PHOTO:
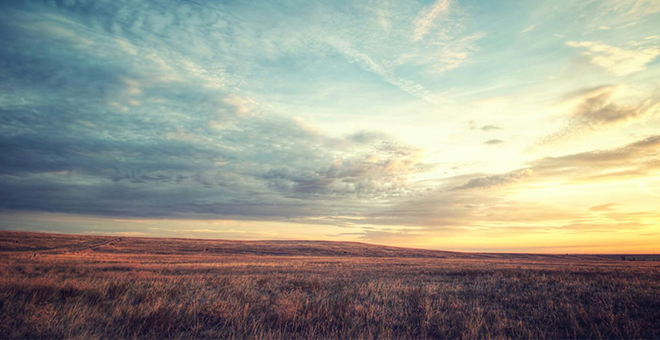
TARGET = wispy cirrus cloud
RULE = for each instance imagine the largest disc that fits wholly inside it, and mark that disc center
(449, 49)
(528, 29)
(367, 63)
(439, 40)
(426, 19)
(628, 10)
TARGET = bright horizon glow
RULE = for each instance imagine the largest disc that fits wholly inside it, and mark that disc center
(449, 125)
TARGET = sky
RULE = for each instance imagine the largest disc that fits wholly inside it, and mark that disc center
(499, 126)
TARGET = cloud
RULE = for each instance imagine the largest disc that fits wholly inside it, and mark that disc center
(488, 181)
(615, 60)
(637, 159)
(609, 13)
(387, 75)
(457, 52)
(596, 108)
(603, 207)
(184, 110)
(466, 202)
(393, 56)
(426, 19)
(494, 142)
(528, 29)
(380, 172)
(444, 52)
(627, 10)
(261, 168)
(477, 203)
(489, 128)
(439, 41)
(152, 116)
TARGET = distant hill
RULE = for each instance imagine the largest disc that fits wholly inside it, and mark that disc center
(46, 243)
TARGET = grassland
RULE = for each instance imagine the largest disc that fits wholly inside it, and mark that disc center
(64, 286)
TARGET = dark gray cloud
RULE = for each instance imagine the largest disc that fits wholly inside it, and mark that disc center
(260, 166)
(100, 116)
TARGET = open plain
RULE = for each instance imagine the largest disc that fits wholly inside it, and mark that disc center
(88, 287)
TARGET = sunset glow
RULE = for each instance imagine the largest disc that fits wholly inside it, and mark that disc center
(487, 126)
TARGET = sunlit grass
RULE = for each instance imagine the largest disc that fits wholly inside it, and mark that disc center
(114, 292)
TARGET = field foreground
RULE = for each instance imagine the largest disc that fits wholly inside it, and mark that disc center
(65, 286)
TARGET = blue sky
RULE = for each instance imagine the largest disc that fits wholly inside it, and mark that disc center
(464, 125)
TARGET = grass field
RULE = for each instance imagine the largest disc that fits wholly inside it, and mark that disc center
(87, 287)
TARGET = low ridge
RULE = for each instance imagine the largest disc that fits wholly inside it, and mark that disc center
(47, 243)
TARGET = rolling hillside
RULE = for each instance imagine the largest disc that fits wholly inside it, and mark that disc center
(111, 287)
(45, 243)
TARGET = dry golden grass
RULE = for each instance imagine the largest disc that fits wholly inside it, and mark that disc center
(63, 286)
